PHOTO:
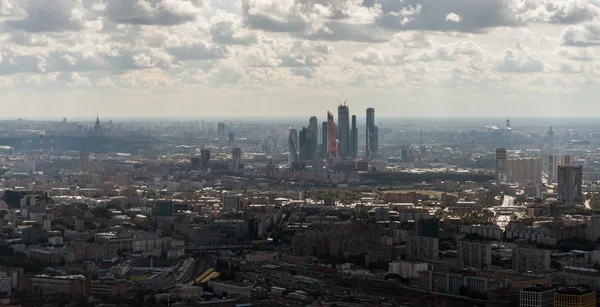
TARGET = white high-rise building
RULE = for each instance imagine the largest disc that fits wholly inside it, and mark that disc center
(554, 161)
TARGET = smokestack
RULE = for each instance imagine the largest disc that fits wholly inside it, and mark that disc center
(51, 146)
(40, 146)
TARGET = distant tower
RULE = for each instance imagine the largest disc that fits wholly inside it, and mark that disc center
(508, 124)
(231, 138)
(237, 159)
(551, 138)
(221, 132)
(323, 153)
(51, 146)
(501, 166)
(204, 158)
(313, 124)
(332, 142)
(293, 146)
(354, 139)
(306, 144)
(97, 126)
(343, 130)
(372, 135)
(40, 156)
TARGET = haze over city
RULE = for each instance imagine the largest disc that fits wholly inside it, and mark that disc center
(175, 58)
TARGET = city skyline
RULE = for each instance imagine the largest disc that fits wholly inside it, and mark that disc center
(159, 58)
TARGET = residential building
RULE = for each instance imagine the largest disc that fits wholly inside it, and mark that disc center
(528, 170)
(476, 255)
(554, 161)
(537, 296)
(571, 296)
(570, 182)
(407, 269)
(421, 248)
(530, 259)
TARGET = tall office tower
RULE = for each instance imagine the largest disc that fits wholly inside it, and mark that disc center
(314, 126)
(554, 161)
(570, 181)
(231, 138)
(501, 168)
(332, 142)
(354, 139)
(551, 142)
(527, 170)
(204, 158)
(306, 144)
(324, 133)
(343, 131)
(372, 135)
(221, 132)
(293, 146)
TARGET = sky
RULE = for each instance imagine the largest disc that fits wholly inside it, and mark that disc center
(268, 58)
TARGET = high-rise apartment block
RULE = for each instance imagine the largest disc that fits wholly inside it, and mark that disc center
(530, 259)
(476, 255)
(421, 248)
(570, 182)
(554, 161)
(528, 170)
(501, 168)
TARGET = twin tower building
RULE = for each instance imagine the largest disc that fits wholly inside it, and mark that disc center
(338, 141)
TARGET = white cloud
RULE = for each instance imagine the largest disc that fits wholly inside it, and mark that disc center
(453, 17)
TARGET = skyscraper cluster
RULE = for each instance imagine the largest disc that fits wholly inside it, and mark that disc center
(336, 141)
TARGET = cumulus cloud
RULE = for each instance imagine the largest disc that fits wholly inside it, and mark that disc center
(584, 35)
(50, 16)
(227, 28)
(151, 12)
(556, 11)
(520, 62)
(432, 15)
